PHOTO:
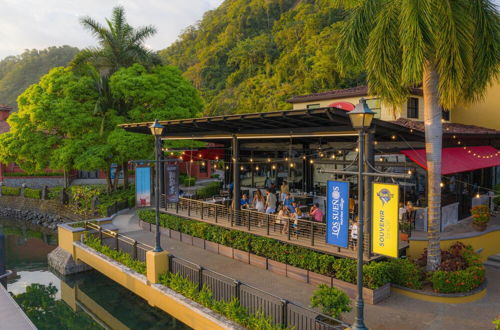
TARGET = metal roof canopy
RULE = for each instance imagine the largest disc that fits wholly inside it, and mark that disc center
(301, 124)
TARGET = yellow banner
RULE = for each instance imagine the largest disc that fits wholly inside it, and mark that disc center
(385, 224)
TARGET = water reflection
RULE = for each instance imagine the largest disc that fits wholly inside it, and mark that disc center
(84, 301)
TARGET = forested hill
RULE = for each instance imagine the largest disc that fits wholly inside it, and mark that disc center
(252, 55)
(19, 72)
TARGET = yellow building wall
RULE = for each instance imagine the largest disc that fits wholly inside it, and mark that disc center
(387, 112)
(485, 113)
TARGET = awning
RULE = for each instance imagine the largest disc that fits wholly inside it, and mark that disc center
(462, 159)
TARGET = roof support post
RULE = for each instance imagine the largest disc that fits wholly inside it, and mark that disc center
(369, 158)
(236, 176)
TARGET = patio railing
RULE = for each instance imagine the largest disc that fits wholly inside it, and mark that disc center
(308, 232)
(280, 310)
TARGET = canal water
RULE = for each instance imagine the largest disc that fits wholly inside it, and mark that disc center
(83, 301)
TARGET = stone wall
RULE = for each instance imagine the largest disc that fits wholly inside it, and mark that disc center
(33, 182)
(47, 213)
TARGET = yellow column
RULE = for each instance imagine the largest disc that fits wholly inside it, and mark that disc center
(156, 264)
(67, 235)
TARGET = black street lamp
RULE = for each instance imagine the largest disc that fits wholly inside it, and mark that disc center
(157, 130)
(361, 119)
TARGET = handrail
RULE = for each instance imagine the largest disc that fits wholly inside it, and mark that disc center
(7, 274)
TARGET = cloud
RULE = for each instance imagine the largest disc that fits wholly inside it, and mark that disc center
(27, 24)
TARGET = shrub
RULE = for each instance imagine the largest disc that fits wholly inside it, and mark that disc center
(210, 190)
(189, 181)
(119, 256)
(230, 309)
(11, 191)
(32, 193)
(480, 214)
(375, 275)
(345, 269)
(55, 192)
(332, 301)
(215, 176)
(404, 272)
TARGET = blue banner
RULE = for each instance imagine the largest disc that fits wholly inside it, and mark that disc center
(143, 186)
(337, 213)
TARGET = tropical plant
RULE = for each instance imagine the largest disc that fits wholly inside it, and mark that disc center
(121, 45)
(451, 48)
(480, 214)
(333, 302)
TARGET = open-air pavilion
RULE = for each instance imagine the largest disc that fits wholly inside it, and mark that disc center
(304, 147)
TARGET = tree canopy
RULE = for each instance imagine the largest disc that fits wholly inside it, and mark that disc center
(57, 125)
(250, 56)
(18, 72)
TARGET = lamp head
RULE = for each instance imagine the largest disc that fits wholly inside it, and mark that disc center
(156, 128)
(361, 117)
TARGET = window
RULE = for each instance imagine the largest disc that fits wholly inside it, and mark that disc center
(313, 106)
(374, 105)
(412, 108)
(446, 115)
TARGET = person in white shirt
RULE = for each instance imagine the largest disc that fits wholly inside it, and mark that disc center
(354, 233)
(270, 202)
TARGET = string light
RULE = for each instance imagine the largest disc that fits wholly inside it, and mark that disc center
(269, 160)
(304, 157)
(311, 161)
(216, 157)
(200, 155)
(381, 159)
(171, 154)
(393, 137)
(191, 160)
(292, 164)
(322, 155)
(273, 167)
(340, 152)
(333, 156)
(242, 168)
(357, 150)
(441, 184)
(477, 195)
(409, 172)
(286, 158)
(180, 157)
(202, 163)
(251, 160)
(227, 167)
(256, 168)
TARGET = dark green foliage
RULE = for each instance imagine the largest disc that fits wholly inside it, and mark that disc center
(343, 269)
(333, 302)
(33, 174)
(18, 72)
(230, 309)
(119, 256)
(210, 190)
(32, 193)
(11, 191)
(189, 181)
(40, 305)
(252, 55)
(406, 273)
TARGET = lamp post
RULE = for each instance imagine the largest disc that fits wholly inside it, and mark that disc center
(157, 130)
(361, 119)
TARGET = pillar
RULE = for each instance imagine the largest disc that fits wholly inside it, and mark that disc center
(236, 173)
(156, 264)
(367, 214)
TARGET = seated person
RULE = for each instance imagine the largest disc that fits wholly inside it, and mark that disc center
(297, 212)
(316, 213)
(288, 200)
(244, 202)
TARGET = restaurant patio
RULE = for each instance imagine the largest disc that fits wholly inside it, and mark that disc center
(303, 147)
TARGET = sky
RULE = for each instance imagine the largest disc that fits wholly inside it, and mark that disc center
(28, 24)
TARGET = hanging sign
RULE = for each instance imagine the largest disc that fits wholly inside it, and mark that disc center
(143, 186)
(171, 178)
(337, 213)
(385, 225)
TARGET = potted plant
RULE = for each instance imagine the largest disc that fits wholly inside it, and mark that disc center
(480, 217)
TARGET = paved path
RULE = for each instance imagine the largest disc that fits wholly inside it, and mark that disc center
(12, 316)
(396, 312)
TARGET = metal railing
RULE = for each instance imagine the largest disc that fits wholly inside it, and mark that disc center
(280, 310)
(309, 232)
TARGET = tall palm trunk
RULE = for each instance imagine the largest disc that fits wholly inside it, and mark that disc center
(433, 147)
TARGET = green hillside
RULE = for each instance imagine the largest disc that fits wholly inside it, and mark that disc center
(252, 55)
(19, 72)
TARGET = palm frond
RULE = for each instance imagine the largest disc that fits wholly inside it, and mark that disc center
(93, 26)
(486, 49)
(383, 56)
(453, 41)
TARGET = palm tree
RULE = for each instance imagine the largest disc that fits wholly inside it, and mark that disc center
(449, 47)
(120, 45)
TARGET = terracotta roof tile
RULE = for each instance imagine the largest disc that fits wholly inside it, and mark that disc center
(340, 93)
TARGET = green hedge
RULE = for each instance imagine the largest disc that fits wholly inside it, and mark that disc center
(11, 191)
(189, 181)
(119, 256)
(210, 190)
(42, 174)
(33, 193)
(230, 309)
(376, 273)
(461, 280)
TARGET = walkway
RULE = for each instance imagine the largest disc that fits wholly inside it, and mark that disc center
(396, 312)
(12, 316)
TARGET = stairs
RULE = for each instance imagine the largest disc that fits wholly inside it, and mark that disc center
(493, 261)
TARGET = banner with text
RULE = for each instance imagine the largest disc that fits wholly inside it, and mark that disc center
(385, 224)
(171, 178)
(143, 186)
(337, 213)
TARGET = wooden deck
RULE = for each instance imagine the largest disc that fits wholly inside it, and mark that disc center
(306, 233)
